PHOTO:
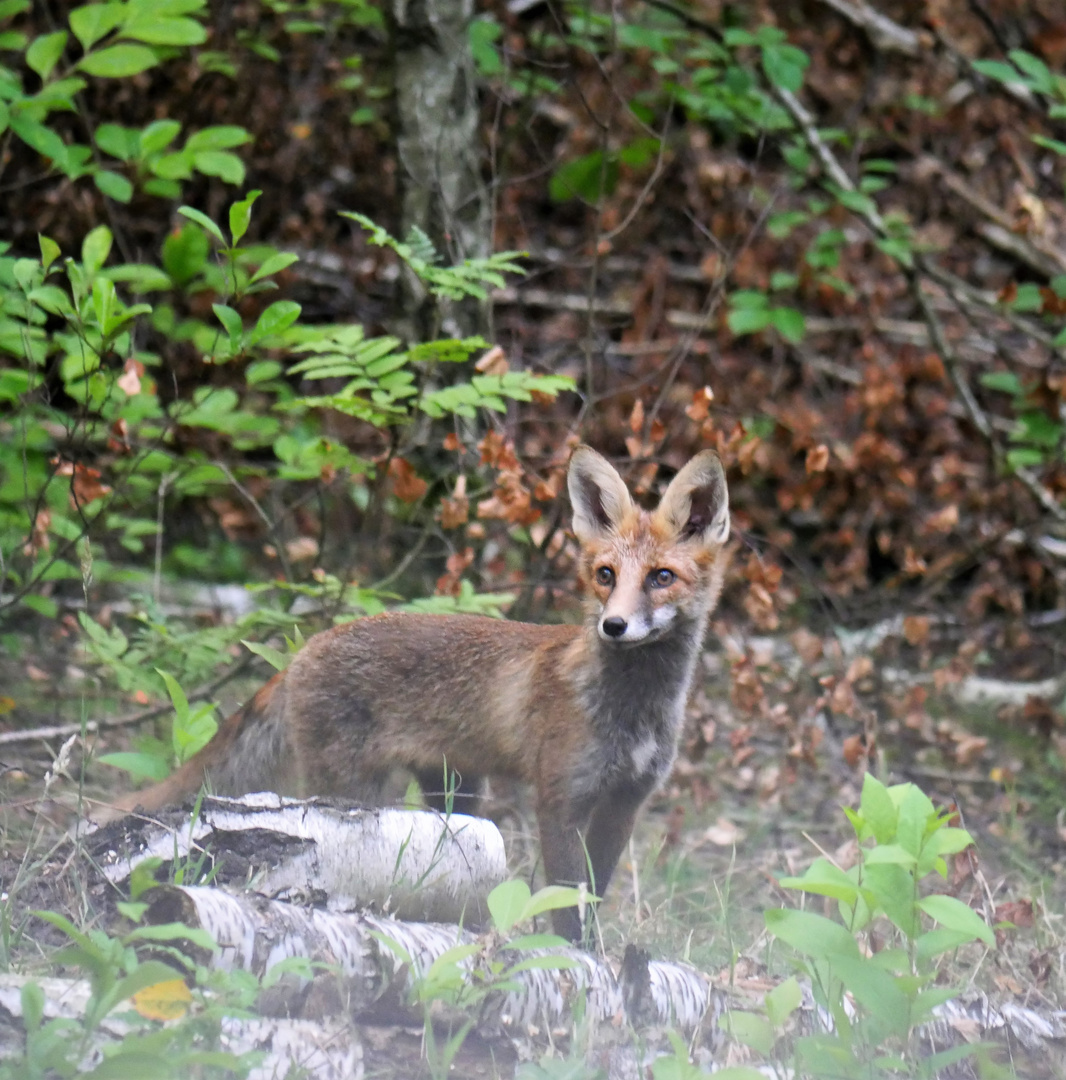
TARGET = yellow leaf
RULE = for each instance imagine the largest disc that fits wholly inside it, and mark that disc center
(7, 704)
(166, 1000)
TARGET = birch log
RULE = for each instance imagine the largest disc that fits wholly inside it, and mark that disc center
(379, 959)
(316, 1050)
(417, 864)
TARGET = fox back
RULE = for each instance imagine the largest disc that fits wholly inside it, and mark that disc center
(589, 715)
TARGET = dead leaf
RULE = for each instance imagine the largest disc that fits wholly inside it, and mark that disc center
(130, 379)
(407, 485)
(700, 405)
(167, 1000)
(854, 750)
(723, 833)
(817, 458)
(916, 629)
(454, 509)
(494, 362)
(302, 548)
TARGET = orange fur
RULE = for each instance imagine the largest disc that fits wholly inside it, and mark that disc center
(589, 715)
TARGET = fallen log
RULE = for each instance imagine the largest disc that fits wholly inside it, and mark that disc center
(411, 863)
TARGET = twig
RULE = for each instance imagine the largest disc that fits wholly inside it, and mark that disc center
(61, 731)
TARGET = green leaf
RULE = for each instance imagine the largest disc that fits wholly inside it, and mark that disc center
(161, 31)
(748, 320)
(789, 323)
(174, 690)
(810, 934)
(45, 52)
(92, 21)
(44, 606)
(752, 1030)
(140, 766)
(203, 221)
(275, 657)
(1005, 381)
(955, 915)
(275, 319)
(95, 248)
(783, 1001)
(878, 809)
(118, 61)
(274, 263)
(113, 185)
(824, 879)
(784, 66)
(50, 250)
(230, 320)
(507, 902)
(240, 214)
(220, 163)
(158, 135)
(219, 137)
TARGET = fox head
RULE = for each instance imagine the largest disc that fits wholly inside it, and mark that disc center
(645, 573)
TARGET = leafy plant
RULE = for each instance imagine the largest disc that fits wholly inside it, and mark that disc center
(172, 1030)
(876, 999)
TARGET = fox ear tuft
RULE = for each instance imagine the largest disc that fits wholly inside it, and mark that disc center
(600, 499)
(696, 504)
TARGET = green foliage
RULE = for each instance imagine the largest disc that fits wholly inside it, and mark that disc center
(187, 1044)
(875, 1001)
(114, 40)
(1038, 438)
(465, 975)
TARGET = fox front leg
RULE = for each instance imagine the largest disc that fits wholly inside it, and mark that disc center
(609, 829)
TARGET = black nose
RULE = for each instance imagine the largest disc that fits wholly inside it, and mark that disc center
(615, 626)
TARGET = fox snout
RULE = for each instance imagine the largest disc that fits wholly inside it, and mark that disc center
(631, 614)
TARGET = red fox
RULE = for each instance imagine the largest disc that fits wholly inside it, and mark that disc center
(589, 715)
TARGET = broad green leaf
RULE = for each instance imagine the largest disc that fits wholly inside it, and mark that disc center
(955, 915)
(220, 137)
(230, 319)
(810, 934)
(174, 690)
(162, 31)
(275, 657)
(42, 138)
(878, 809)
(752, 1030)
(274, 263)
(240, 214)
(139, 766)
(824, 879)
(507, 902)
(220, 163)
(118, 141)
(45, 52)
(748, 320)
(118, 61)
(876, 990)
(158, 135)
(789, 323)
(50, 250)
(113, 185)
(95, 248)
(275, 319)
(783, 1001)
(203, 221)
(92, 21)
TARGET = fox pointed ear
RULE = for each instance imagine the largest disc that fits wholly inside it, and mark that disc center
(600, 499)
(696, 504)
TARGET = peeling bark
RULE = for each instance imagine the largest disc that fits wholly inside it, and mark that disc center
(436, 117)
(418, 864)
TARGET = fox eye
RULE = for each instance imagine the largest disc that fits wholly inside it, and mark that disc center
(605, 576)
(661, 578)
